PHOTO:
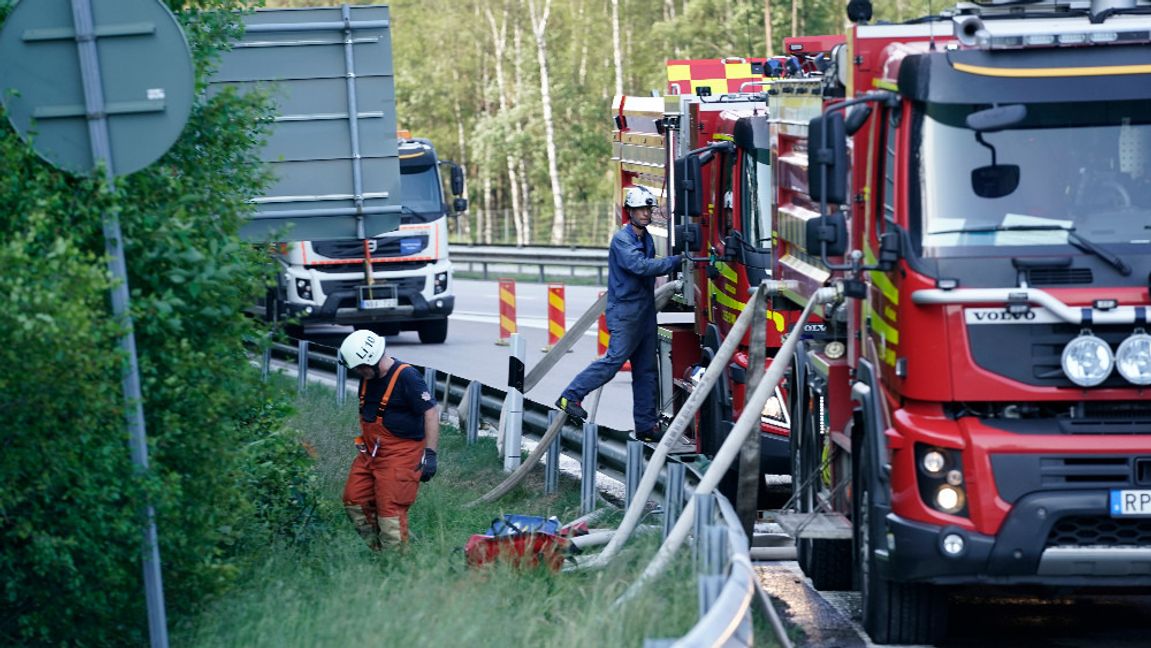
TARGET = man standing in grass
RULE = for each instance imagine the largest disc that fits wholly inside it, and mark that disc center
(399, 434)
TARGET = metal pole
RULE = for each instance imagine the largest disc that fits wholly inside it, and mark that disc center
(673, 496)
(474, 404)
(302, 366)
(266, 363)
(634, 470)
(552, 467)
(354, 128)
(101, 144)
(430, 379)
(588, 466)
(704, 514)
(513, 439)
(341, 383)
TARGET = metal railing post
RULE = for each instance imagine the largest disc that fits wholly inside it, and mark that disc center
(475, 390)
(513, 435)
(673, 496)
(589, 464)
(302, 366)
(341, 383)
(430, 379)
(266, 363)
(552, 467)
(704, 514)
(634, 470)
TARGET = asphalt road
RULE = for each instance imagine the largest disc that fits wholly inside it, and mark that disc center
(470, 350)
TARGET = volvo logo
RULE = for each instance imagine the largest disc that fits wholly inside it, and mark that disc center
(1037, 315)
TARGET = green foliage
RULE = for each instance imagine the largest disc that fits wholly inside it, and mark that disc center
(224, 475)
(337, 593)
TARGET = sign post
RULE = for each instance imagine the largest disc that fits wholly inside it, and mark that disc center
(116, 112)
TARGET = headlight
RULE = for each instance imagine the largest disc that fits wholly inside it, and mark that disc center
(304, 289)
(933, 462)
(1133, 360)
(441, 283)
(1087, 360)
(949, 499)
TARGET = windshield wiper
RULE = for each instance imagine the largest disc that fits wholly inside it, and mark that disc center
(1073, 238)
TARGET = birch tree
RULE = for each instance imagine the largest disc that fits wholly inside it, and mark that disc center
(499, 44)
(539, 30)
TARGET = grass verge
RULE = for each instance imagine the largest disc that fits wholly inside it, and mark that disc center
(332, 591)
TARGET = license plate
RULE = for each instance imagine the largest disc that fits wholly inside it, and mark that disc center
(1130, 503)
(375, 297)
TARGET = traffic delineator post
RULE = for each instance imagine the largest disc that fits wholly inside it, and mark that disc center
(603, 338)
(507, 311)
(557, 318)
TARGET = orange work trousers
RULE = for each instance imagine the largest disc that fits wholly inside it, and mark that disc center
(383, 487)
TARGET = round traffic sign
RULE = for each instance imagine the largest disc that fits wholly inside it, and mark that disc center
(144, 75)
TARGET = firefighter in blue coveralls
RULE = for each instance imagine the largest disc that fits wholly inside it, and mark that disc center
(632, 270)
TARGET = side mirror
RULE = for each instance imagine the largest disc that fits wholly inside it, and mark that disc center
(457, 181)
(827, 165)
(995, 181)
(890, 250)
(831, 228)
(460, 205)
(857, 118)
(688, 199)
(688, 239)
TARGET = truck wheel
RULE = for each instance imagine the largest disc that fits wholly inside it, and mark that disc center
(893, 612)
(828, 561)
(434, 332)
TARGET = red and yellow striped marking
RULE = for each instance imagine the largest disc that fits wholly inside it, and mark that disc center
(604, 338)
(507, 310)
(556, 315)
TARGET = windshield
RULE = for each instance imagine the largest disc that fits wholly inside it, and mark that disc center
(1085, 166)
(420, 187)
(757, 185)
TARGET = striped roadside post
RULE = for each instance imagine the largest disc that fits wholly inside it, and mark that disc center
(603, 338)
(557, 318)
(507, 311)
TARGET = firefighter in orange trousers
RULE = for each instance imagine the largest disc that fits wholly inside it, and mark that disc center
(399, 434)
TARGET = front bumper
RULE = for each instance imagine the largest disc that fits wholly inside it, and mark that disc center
(418, 309)
(1033, 546)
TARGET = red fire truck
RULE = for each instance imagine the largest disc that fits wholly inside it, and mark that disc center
(715, 122)
(976, 411)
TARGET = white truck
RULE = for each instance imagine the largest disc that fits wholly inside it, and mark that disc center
(356, 210)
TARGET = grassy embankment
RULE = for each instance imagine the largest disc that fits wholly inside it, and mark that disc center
(334, 592)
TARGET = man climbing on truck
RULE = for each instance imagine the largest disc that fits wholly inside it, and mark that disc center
(630, 314)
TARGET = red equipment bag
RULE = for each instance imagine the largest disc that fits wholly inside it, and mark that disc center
(521, 540)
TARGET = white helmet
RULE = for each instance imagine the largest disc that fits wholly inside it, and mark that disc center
(638, 197)
(361, 348)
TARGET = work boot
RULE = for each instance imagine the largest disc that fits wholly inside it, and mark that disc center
(572, 408)
(651, 435)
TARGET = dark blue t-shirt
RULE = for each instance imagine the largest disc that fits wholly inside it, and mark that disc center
(404, 416)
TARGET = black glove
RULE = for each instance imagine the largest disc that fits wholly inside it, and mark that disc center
(428, 465)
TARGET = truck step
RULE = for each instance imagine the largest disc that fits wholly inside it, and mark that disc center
(828, 526)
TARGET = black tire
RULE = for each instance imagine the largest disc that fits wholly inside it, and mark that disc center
(434, 332)
(893, 612)
(826, 562)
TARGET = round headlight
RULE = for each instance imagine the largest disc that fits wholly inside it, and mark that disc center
(949, 499)
(1087, 360)
(933, 462)
(1133, 360)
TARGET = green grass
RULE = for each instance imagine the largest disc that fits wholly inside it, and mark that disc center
(334, 592)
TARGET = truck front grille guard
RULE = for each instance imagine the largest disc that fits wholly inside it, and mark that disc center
(1032, 296)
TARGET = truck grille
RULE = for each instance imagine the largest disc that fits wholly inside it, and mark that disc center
(1031, 354)
(1059, 276)
(1019, 474)
(404, 285)
(385, 247)
(1100, 531)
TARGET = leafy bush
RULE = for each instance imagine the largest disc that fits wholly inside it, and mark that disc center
(223, 473)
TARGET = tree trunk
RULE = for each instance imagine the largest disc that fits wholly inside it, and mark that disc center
(539, 29)
(767, 28)
(616, 52)
(794, 18)
(499, 41)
